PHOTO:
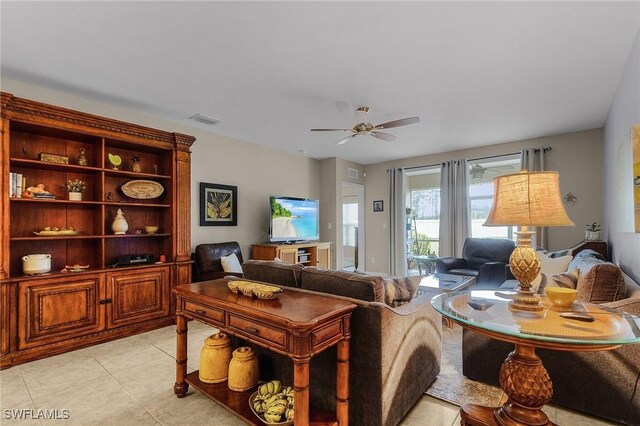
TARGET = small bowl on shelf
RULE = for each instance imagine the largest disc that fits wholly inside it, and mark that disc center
(149, 229)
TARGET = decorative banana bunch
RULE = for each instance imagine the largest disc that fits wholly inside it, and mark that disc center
(274, 402)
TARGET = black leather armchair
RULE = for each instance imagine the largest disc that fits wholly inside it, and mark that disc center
(483, 258)
(206, 260)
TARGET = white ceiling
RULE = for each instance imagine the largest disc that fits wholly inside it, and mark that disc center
(476, 73)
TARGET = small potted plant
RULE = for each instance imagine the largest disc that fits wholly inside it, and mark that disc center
(592, 233)
(75, 188)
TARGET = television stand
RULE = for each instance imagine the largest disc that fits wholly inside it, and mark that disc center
(308, 254)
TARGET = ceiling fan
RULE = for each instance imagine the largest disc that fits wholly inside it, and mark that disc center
(365, 128)
(477, 171)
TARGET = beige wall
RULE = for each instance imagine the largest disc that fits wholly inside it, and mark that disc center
(623, 114)
(576, 156)
(257, 171)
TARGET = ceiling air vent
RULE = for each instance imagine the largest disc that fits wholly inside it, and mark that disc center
(204, 119)
(352, 173)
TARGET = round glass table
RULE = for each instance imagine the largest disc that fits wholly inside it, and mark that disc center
(523, 378)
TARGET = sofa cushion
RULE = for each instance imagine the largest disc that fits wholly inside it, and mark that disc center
(272, 272)
(400, 290)
(551, 266)
(231, 263)
(565, 279)
(602, 283)
(368, 288)
(585, 259)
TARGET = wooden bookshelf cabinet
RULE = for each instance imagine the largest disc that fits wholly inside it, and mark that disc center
(59, 311)
(308, 254)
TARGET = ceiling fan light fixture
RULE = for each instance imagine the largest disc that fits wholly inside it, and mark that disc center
(361, 114)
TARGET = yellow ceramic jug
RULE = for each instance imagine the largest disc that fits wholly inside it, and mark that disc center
(243, 369)
(214, 359)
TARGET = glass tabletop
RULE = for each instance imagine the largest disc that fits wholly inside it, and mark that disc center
(489, 310)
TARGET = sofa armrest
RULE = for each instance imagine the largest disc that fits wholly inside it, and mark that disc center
(630, 305)
(491, 274)
(444, 264)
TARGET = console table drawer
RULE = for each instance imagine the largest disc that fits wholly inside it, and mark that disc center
(251, 328)
(204, 312)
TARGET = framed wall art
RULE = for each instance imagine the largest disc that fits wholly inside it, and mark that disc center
(378, 206)
(218, 205)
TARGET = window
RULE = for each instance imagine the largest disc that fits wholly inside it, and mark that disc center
(481, 174)
(422, 214)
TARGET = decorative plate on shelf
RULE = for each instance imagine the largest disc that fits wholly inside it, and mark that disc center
(142, 189)
(56, 232)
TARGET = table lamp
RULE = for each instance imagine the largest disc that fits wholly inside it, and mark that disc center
(526, 199)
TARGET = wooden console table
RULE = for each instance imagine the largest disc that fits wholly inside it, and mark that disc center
(297, 325)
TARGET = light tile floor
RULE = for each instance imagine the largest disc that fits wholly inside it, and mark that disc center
(130, 382)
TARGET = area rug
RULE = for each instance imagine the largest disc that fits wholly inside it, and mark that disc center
(451, 385)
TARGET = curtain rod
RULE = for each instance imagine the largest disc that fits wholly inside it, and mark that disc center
(544, 148)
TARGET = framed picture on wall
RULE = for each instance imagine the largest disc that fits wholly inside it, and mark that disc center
(378, 206)
(218, 204)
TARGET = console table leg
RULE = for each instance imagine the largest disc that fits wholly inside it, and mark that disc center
(181, 387)
(527, 385)
(301, 392)
(342, 383)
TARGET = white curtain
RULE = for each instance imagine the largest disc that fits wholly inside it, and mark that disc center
(454, 207)
(532, 159)
(397, 229)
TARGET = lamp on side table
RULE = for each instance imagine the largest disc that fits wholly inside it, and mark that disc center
(526, 199)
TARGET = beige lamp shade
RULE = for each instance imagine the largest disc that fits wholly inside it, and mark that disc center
(527, 199)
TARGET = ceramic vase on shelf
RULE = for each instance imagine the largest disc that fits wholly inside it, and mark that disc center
(214, 359)
(243, 369)
(119, 225)
(75, 196)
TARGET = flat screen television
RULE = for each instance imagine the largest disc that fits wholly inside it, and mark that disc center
(293, 219)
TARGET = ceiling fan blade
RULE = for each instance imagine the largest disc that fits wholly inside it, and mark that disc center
(384, 136)
(347, 139)
(330, 130)
(398, 123)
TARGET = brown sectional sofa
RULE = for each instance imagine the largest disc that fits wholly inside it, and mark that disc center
(395, 352)
(605, 383)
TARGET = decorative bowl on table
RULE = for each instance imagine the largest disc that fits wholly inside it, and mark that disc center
(561, 296)
(248, 288)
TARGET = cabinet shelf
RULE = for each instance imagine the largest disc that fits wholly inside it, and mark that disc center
(43, 165)
(89, 202)
(137, 236)
(127, 204)
(86, 237)
(88, 271)
(56, 201)
(134, 175)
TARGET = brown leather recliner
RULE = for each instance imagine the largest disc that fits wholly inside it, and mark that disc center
(206, 260)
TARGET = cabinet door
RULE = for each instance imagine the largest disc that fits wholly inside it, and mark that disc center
(288, 255)
(137, 295)
(323, 256)
(59, 309)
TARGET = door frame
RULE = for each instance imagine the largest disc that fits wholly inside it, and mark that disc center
(361, 223)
